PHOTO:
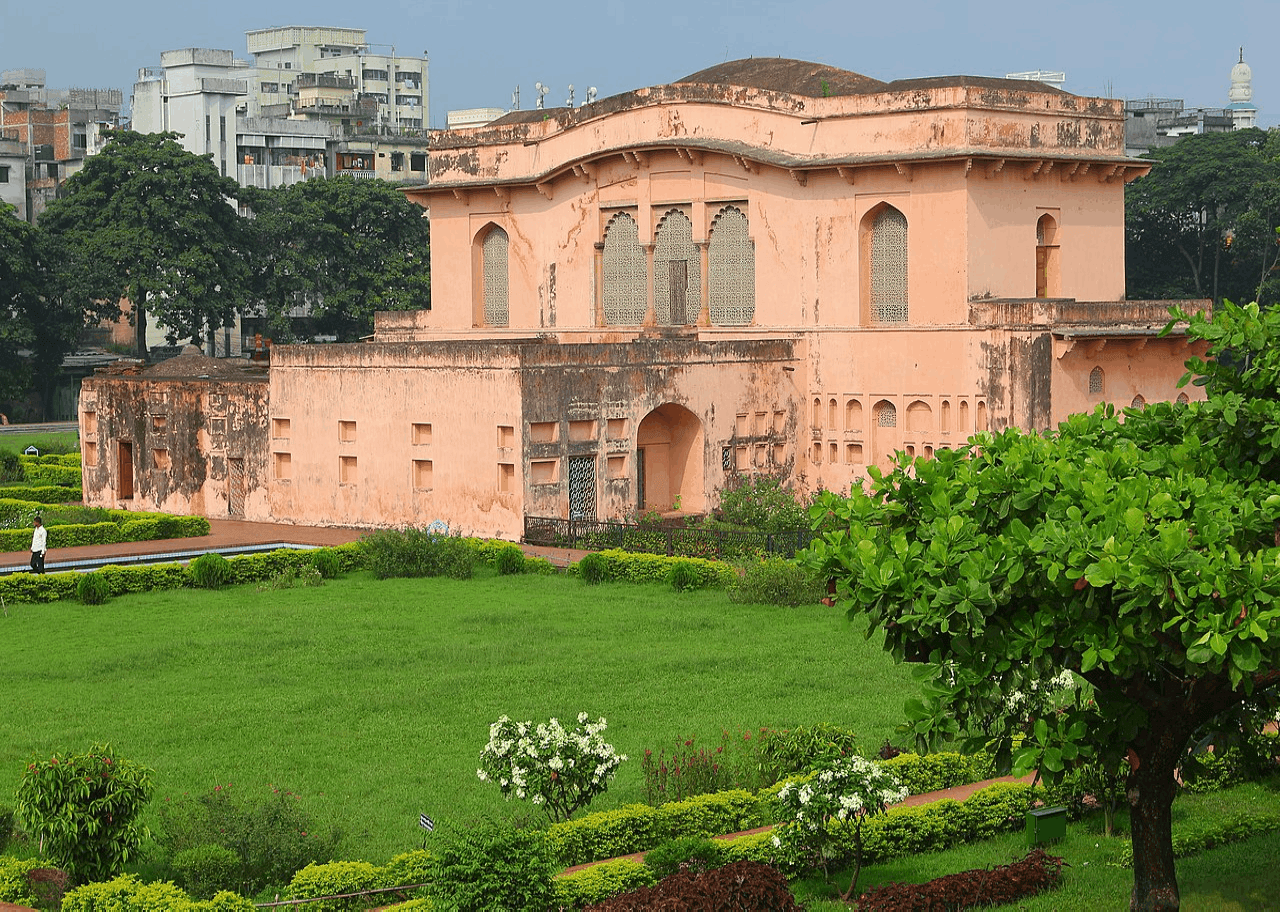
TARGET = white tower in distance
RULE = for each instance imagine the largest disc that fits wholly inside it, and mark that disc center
(1243, 113)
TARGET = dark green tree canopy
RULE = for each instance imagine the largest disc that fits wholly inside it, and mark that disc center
(344, 248)
(148, 221)
(1203, 223)
(1140, 555)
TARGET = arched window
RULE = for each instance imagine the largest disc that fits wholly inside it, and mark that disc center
(1095, 381)
(624, 273)
(853, 415)
(1046, 256)
(731, 269)
(886, 266)
(1183, 399)
(817, 412)
(677, 271)
(494, 306)
(1138, 402)
(886, 415)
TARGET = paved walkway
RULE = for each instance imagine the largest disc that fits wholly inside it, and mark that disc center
(226, 533)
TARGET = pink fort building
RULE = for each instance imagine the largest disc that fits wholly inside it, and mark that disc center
(770, 266)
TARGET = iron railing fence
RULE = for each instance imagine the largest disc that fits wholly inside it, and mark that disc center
(717, 544)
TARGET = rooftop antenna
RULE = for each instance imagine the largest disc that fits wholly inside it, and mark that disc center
(569, 103)
(542, 94)
(591, 95)
(515, 99)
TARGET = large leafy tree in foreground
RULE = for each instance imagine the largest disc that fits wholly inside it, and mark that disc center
(1141, 555)
(343, 248)
(149, 221)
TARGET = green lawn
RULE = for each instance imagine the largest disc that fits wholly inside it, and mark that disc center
(1235, 878)
(63, 442)
(373, 699)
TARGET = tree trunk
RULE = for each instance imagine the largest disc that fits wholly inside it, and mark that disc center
(1151, 789)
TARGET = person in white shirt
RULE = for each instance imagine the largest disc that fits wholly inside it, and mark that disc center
(39, 542)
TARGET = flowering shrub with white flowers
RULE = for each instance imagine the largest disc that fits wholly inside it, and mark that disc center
(829, 808)
(560, 769)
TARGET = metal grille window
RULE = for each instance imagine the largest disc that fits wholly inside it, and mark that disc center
(889, 267)
(494, 257)
(582, 487)
(731, 269)
(1095, 380)
(677, 276)
(886, 415)
(624, 273)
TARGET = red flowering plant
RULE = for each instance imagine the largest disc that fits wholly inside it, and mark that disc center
(85, 810)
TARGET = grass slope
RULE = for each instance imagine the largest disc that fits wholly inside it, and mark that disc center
(373, 699)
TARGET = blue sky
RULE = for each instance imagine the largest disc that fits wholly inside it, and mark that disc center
(480, 51)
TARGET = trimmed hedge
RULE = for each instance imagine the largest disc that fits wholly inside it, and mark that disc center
(127, 893)
(14, 886)
(601, 882)
(633, 567)
(334, 879)
(41, 494)
(1236, 828)
(122, 580)
(34, 473)
(129, 527)
(639, 827)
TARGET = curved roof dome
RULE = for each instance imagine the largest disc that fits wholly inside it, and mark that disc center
(781, 74)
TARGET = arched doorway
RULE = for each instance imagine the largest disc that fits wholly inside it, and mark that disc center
(669, 470)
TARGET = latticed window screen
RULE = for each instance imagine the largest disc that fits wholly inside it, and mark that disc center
(494, 256)
(886, 415)
(889, 267)
(1138, 402)
(731, 269)
(677, 273)
(624, 273)
(1095, 380)
(1182, 399)
(582, 487)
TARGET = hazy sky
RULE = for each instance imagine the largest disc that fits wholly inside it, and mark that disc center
(480, 52)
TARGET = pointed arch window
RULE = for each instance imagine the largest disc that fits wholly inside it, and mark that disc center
(1096, 378)
(493, 257)
(677, 271)
(625, 273)
(731, 269)
(887, 266)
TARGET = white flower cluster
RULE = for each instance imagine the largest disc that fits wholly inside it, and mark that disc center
(1041, 692)
(852, 787)
(561, 769)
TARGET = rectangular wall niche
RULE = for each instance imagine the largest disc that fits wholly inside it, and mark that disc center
(506, 436)
(616, 428)
(347, 470)
(158, 422)
(160, 458)
(506, 477)
(347, 431)
(280, 428)
(422, 474)
(543, 431)
(617, 467)
(91, 422)
(582, 430)
(421, 434)
(544, 471)
(90, 454)
(282, 466)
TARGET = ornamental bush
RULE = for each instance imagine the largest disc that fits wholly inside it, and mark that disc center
(210, 571)
(128, 893)
(839, 798)
(776, 581)
(93, 589)
(415, 553)
(488, 867)
(85, 810)
(560, 769)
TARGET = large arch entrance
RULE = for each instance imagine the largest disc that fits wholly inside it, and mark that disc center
(669, 463)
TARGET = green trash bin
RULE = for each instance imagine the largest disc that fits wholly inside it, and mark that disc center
(1046, 825)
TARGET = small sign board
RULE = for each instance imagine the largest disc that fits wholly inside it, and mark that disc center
(30, 451)
(426, 822)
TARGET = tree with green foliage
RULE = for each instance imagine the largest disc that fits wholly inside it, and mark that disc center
(85, 809)
(1138, 552)
(344, 248)
(147, 221)
(1203, 222)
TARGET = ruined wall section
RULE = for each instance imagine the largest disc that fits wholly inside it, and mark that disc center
(192, 446)
(700, 411)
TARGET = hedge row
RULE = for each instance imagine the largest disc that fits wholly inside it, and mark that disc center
(338, 878)
(131, 527)
(633, 567)
(127, 893)
(51, 459)
(36, 474)
(41, 494)
(248, 568)
(14, 886)
(1236, 828)
(639, 827)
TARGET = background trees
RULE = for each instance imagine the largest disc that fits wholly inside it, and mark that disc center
(1203, 222)
(342, 247)
(148, 221)
(1141, 556)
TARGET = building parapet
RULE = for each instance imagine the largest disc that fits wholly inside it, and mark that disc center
(1062, 313)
